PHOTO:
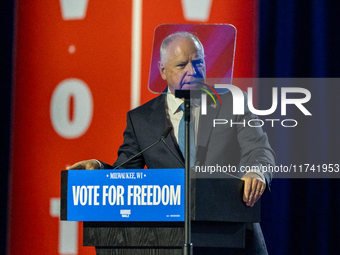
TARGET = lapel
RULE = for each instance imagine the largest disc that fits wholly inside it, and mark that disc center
(205, 128)
(158, 122)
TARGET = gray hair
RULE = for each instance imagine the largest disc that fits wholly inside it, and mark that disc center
(164, 47)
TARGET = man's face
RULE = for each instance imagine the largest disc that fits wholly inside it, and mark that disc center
(184, 64)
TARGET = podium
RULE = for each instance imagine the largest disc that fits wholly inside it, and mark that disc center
(219, 218)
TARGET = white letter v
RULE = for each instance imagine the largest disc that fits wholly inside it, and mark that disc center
(196, 10)
(73, 9)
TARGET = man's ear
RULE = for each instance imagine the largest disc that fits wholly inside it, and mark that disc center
(161, 68)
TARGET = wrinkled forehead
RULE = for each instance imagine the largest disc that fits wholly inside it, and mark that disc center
(185, 46)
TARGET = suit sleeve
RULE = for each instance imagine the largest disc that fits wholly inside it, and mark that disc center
(256, 152)
(128, 149)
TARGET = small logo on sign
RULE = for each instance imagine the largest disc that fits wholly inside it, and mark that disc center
(125, 213)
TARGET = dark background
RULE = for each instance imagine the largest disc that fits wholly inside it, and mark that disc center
(301, 39)
(6, 47)
(297, 39)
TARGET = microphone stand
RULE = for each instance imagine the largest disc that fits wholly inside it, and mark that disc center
(187, 246)
(164, 135)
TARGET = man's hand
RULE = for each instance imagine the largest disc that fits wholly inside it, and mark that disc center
(86, 164)
(254, 187)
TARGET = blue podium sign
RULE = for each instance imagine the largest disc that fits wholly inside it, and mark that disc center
(125, 195)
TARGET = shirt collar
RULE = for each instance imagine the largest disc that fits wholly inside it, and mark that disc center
(173, 102)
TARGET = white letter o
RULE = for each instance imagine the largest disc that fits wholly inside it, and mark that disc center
(82, 111)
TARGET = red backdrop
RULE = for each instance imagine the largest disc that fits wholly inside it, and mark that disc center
(73, 73)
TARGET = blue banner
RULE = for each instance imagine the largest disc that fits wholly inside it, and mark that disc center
(125, 195)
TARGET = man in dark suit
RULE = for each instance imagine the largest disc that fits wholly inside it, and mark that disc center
(182, 65)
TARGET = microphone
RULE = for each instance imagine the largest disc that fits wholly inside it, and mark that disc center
(166, 132)
(163, 136)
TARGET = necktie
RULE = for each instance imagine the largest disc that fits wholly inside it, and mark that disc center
(181, 137)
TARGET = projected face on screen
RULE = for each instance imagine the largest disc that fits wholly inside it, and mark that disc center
(182, 62)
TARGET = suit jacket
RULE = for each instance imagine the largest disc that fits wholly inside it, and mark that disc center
(225, 144)
(234, 145)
